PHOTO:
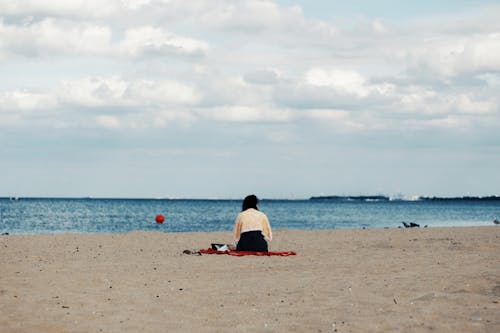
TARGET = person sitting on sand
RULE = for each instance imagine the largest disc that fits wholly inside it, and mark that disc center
(252, 230)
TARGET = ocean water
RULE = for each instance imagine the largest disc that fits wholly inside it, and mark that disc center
(45, 215)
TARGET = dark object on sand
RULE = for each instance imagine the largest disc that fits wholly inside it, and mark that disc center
(193, 252)
(5, 234)
(411, 225)
(496, 221)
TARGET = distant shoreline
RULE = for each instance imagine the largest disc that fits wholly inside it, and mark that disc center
(386, 198)
(339, 198)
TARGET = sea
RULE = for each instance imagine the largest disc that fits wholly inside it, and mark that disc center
(93, 215)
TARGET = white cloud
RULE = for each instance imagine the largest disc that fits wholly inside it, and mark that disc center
(466, 103)
(62, 37)
(343, 81)
(417, 99)
(263, 76)
(50, 36)
(148, 40)
(136, 4)
(334, 88)
(493, 80)
(232, 74)
(73, 8)
(135, 103)
(242, 15)
(340, 119)
(328, 114)
(94, 92)
(249, 15)
(258, 21)
(245, 113)
(24, 100)
(164, 118)
(114, 91)
(379, 26)
(346, 82)
(451, 56)
(108, 121)
(161, 93)
(151, 119)
(446, 122)
(422, 102)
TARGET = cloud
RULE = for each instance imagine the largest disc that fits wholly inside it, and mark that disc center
(108, 121)
(240, 113)
(347, 82)
(263, 76)
(147, 41)
(454, 56)
(379, 26)
(93, 92)
(339, 119)
(258, 21)
(115, 91)
(342, 81)
(161, 93)
(333, 88)
(74, 8)
(249, 61)
(136, 103)
(222, 15)
(24, 100)
(466, 103)
(491, 79)
(61, 37)
(422, 102)
(18, 105)
(50, 36)
(250, 16)
(350, 101)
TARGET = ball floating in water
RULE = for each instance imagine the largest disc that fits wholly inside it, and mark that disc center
(160, 218)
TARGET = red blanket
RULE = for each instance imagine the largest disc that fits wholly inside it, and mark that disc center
(248, 253)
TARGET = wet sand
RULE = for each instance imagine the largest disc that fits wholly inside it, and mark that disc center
(382, 280)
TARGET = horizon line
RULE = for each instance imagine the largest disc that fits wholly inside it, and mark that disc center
(314, 197)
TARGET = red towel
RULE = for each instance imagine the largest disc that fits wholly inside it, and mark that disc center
(248, 253)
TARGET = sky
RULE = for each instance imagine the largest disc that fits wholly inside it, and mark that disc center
(220, 99)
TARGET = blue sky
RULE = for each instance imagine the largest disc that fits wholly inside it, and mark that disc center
(388, 9)
(219, 99)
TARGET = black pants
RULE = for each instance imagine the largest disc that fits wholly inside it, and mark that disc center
(252, 241)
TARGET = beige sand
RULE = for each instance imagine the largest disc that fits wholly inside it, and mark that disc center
(398, 280)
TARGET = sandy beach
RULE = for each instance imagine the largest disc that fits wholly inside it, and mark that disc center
(382, 280)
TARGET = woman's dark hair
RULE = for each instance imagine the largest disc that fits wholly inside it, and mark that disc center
(250, 201)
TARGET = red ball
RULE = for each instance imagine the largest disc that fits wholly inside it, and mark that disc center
(160, 218)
